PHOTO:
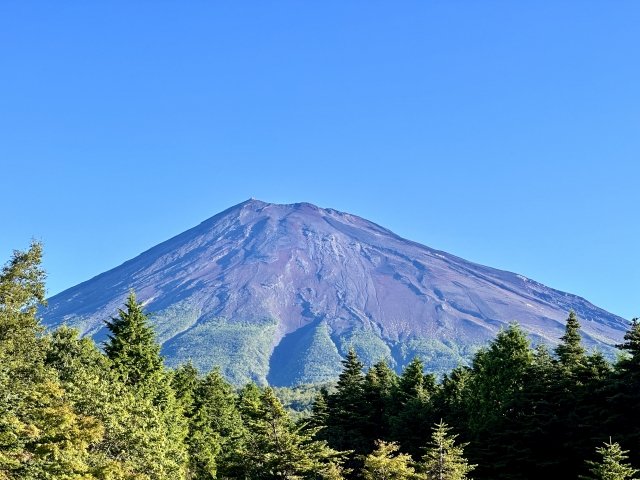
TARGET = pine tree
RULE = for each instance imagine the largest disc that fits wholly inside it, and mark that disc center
(386, 463)
(413, 383)
(613, 465)
(444, 459)
(94, 390)
(498, 373)
(449, 398)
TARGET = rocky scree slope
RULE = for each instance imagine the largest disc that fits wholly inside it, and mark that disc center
(278, 293)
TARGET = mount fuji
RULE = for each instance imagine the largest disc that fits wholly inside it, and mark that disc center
(278, 294)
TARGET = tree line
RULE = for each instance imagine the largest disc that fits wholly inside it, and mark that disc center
(72, 410)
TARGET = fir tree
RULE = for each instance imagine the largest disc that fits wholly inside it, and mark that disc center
(275, 448)
(215, 428)
(320, 412)
(631, 346)
(444, 459)
(570, 351)
(413, 412)
(379, 388)
(131, 345)
(41, 434)
(347, 417)
(386, 463)
(157, 424)
(184, 381)
(613, 465)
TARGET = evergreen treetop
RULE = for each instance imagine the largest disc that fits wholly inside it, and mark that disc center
(444, 460)
(386, 463)
(631, 346)
(613, 465)
(131, 345)
(570, 351)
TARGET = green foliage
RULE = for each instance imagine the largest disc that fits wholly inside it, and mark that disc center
(153, 421)
(307, 356)
(346, 409)
(184, 381)
(241, 349)
(444, 460)
(41, 435)
(631, 346)
(498, 373)
(570, 351)
(215, 428)
(69, 411)
(613, 464)
(385, 463)
(411, 413)
(370, 348)
(131, 347)
(277, 449)
(299, 400)
(378, 395)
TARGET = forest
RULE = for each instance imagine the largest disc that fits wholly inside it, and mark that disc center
(71, 409)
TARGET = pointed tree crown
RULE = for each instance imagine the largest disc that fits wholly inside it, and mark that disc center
(386, 463)
(444, 460)
(351, 370)
(131, 345)
(613, 465)
(631, 344)
(570, 351)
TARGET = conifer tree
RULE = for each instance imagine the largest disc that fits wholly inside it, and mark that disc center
(570, 351)
(623, 395)
(215, 428)
(184, 381)
(41, 434)
(94, 390)
(413, 412)
(379, 388)
(413, 383)
(277, 449)
(320, 412)
(157, 421)
(613, 465)
(131, 345)
(498, 373)
(449, 398)
(347, 418)
(444, 460)
(386, 463)
(631, 346)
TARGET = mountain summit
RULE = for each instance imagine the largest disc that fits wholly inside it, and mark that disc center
(279, 293)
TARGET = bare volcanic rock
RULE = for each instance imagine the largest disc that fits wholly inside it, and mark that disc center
(279, 293)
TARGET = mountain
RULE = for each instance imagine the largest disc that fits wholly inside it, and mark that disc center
(279, 293)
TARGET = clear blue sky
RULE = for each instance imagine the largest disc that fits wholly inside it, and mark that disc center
(507, 132)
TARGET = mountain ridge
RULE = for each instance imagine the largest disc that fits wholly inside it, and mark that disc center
(288, 288)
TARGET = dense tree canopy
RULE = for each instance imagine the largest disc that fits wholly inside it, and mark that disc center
(71, 410)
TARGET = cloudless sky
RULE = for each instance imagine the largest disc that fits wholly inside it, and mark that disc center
(505, 132)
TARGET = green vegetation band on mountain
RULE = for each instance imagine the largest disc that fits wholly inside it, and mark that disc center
(69, 410)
